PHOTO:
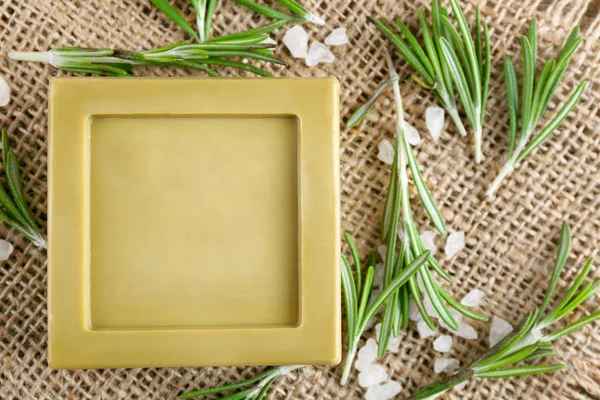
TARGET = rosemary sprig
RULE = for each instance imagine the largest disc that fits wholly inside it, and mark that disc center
(255, 388)
(397, 206)
(535, 98)
(532, 341)
(14, 210)
(449, 59)
(200, 52)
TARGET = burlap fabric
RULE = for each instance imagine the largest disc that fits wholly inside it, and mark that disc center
(510, 239)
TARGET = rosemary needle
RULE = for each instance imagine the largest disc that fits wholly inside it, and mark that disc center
(532, 341)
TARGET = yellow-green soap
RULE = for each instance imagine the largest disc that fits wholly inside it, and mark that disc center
(193, 222)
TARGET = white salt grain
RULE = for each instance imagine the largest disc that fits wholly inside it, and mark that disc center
(445, 365)
(412, 134)
(4, 92)
(499, 330)
(386, 391)
(382, 250)
(337, 37)
(400, 233)
(466, 331)
(473, 298)
(455, 243)
(6, 250)
(386, 152)
(378, 277)
(415, 314)
(373, 375)
(319, 53)
(434, 118)
(427, 238)
(424, 330)
(457, 317)
(443, 343)
(393, 343)
(366, 355)
(461, 386)
(296, 40)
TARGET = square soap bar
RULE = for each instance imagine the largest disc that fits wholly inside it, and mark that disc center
(193, 222)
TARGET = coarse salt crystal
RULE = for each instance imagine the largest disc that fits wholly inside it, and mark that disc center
(466, 331)
(382, 250)
(457, 317)
(443, 343)
(378, 277)
(269, 40)
(427, 239)
(473, 298)
(394, 341)
(386, 391)
(386, 152)
(366, 355)
(414, 314)
(434, 119)
(337, 37)
(455, 243)
(461, 386)
(445, 365)
(6, 250)
(296, 40)
(4, 92)
(499, 330)
(412, 134)
(373, 375)
(424, 330)
(319, 53)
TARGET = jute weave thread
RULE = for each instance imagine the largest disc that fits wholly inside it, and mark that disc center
(510, 239)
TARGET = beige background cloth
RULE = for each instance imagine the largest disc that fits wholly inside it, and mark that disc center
(510, 239)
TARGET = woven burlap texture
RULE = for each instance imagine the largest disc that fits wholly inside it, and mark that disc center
(510, 239)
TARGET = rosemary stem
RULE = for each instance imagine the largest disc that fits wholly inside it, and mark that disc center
(477, 140)
(457, 120)
(34, 56)
(506, 170)
(348, 364)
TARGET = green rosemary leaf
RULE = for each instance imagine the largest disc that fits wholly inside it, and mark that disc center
(226, 388)
(527, 89)
(389, 201)
(355, 258)
(460, 308)
(532, 37)
(293, 7)
(253, 33)
(210, 12)
(404, 300)
(440, 306)
(418, 299)
(438, 31)
(555, 122)
(361, 112)
(564, 247)
(573, 327)
(430, 47)
(574, 288)
(170, 12)
(414, 44)
(387, 321)
(478, 41)
(470, 49)
(238, 396)
(350, 295)
(486, 74)
(520, 371)
(5, 145)
(404, 49)
(266, 11)
(458, 76)
(366, 292)
(263, 392)
(540, 354)
(393, 286)
(513, 102)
